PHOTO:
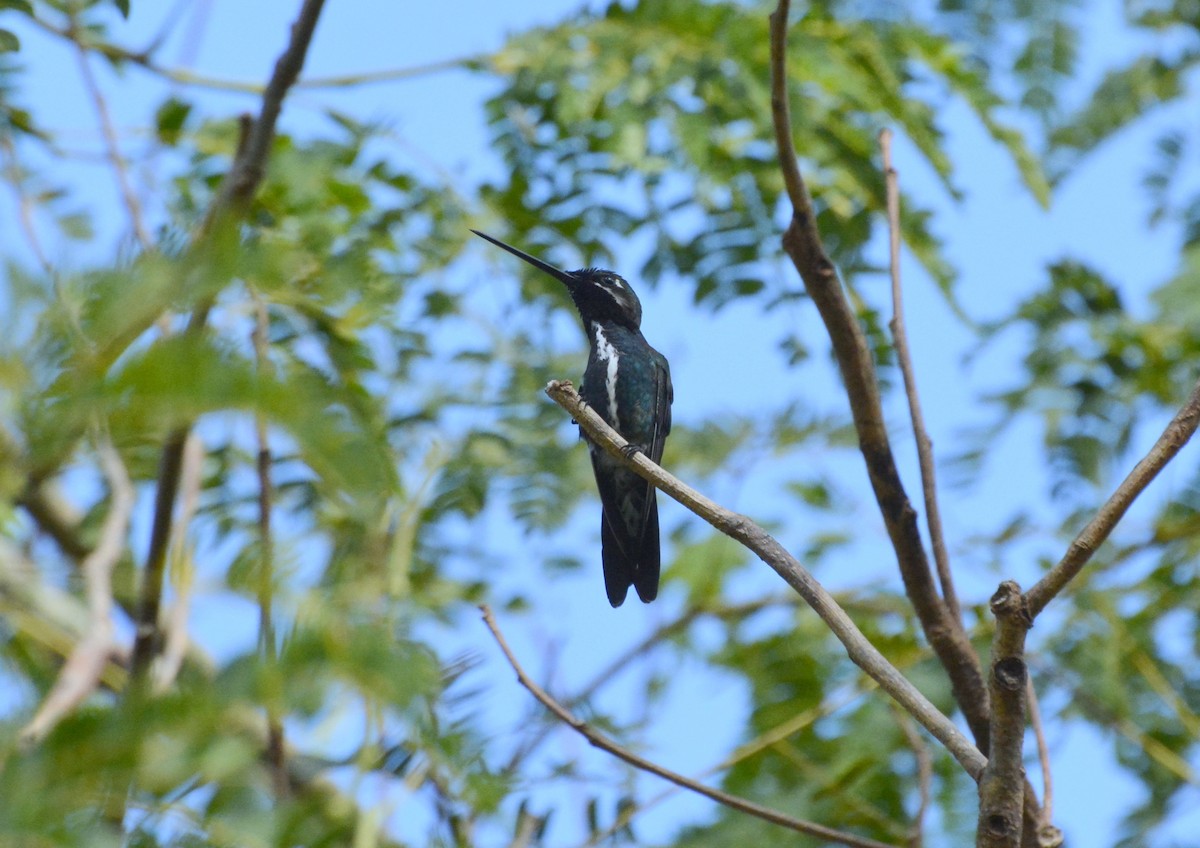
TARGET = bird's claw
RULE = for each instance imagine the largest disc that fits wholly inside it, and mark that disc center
(630, 449)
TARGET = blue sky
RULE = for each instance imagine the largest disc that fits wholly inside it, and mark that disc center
(998, 238)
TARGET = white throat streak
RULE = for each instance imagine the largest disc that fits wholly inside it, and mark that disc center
(608, 353)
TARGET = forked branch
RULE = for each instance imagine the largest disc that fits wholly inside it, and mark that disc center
(803, 244)
(933, 514)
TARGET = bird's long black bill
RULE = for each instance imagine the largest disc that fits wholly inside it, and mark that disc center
(561, 276)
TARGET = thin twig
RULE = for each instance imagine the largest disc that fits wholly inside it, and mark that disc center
(16, 178)
(860, 650)
(1172, 440)
(1039, 733)
(81, 673)
(1002, 788)
(924, 776)
(112, 144)
(626, 658)
(144, 59)
(764, 740)
(266, 569)
(933, 515)
(802, 242)
(602, 742)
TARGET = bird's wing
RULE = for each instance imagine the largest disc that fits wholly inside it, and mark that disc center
(664, 394)
(646, 575)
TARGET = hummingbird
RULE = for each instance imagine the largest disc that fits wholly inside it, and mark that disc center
(629, 384)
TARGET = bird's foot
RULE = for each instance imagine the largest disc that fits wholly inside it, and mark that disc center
(630, 449)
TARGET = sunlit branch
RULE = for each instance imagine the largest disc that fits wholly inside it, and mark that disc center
(740, 528)
(602, 742)
(1172, 440)
(1002, 787)
(933, 515)
(81, 673)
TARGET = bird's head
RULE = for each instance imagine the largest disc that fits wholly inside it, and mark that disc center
(599, 295)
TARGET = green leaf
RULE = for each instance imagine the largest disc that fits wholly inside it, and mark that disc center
(170, 118)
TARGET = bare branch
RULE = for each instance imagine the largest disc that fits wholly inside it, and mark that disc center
(1002, 787)
(803, 244)
(175, 638)
(865, 655)
(81, 673)
(933, 515)
(147, 635)
(237, 189)
(602, 742)
(1039, 733)
(1172, 440)
(242, 181)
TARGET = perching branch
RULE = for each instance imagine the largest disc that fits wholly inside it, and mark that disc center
(81, 673)
(740, 528)
(1172, 440)
(602, 742)
(803, 244)
(1002, 788)
(933, 515)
